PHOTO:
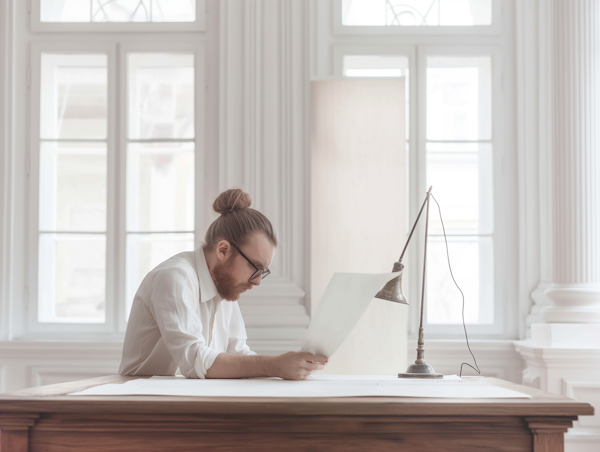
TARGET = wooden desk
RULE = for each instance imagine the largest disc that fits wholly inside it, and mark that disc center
(45, 419)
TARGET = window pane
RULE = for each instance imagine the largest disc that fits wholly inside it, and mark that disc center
(160, 187)
(65, 11)
(462, 184)
(472, 265)
(121, 10)
(174, 10)
(73, 96)
(161, 95)
(146, 251)
(118, 11)
(73, 186)
(72, 278)
(459, 98)
(416, 12)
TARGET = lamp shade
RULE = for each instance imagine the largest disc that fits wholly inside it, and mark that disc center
(392, 291)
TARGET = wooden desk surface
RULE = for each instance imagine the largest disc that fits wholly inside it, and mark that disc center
(46, 419)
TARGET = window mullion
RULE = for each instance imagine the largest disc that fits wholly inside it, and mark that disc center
(112, 239)
(121, 179)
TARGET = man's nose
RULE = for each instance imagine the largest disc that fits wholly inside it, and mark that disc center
(256, 281)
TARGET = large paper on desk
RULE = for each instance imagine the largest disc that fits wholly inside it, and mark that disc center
(314, 386)
(344, 302)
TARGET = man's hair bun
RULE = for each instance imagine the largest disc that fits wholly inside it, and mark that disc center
(232, 200)
(237, 220)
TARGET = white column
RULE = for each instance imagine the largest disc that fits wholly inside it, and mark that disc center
(575, 289)
(563, 354)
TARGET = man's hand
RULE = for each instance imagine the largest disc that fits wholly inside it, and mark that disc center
(297, 365)
(289, 366)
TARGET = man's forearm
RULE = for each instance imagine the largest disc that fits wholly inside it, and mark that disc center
(241, 366)
(289, 366)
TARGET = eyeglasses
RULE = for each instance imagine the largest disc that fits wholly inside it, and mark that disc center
(263, 272)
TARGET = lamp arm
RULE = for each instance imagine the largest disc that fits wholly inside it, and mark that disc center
(415, 225)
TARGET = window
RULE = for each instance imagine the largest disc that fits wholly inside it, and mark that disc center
(72, 187)
(455, 143)
(118, 11)
(416, 17)
(160, 161)
(117, 15)
(456, 149)
(115, 155)
(459, 166)
(416, 13)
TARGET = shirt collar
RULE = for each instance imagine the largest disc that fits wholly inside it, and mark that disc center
(208, 290)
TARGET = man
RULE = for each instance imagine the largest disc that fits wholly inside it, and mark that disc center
(185, 313)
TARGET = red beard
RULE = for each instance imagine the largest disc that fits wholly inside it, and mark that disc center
(225, 282)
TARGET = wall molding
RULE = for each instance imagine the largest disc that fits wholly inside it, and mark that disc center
(7, 115)
(586, 429)
(533, 102)
(47, 360)
(60, 350)
(571, 372)
(48, 375)
(31, 363)
(547, 367)
(263, 142)
(546, 357)
(496, 358)
(35, 362)
(585, 426)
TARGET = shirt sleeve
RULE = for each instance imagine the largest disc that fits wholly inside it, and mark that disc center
(173, 303)
(237, 333)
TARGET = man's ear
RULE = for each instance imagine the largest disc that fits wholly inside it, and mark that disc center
(223, 250)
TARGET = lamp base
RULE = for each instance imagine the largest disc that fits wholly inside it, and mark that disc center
(420, 371)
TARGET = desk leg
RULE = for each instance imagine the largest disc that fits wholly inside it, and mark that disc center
(548, 433)
(14, 431)
(14, 440)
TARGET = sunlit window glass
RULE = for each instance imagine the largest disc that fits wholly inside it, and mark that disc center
(118, 11)
(160, 176)
(416, 13)
(459, 167)
(72, 188)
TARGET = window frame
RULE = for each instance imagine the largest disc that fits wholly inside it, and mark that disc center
(116, 49)
(345, 30)
(37, 26)
(503, 250)
(500, 214)
(198, 48)
(37, 49)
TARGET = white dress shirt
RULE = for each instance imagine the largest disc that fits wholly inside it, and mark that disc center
(179, 320)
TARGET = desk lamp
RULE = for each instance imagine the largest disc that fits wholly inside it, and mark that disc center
(392, 291)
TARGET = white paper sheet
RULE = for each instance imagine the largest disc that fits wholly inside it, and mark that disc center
(314, 386)
(344, 302)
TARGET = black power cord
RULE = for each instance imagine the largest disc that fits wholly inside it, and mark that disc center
(476, 368)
